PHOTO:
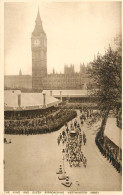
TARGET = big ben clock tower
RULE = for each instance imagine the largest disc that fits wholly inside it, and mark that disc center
(39, 54)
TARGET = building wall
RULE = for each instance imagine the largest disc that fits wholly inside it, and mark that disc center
(64, 81)
(18, 82)
(51, 81)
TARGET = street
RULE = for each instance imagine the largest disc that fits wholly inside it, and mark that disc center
(31, 163)
(111, 130)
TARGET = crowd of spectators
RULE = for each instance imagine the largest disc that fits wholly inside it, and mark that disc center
(20, 115)
(80, 106)
(49, 122)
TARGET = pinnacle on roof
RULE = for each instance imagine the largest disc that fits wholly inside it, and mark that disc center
(53, 71)
(38, 19)
(20, 72)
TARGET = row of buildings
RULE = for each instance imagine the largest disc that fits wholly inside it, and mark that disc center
(50, 81)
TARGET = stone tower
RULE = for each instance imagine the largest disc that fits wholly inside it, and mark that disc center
(39, 54)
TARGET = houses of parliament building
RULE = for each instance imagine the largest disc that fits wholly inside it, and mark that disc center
(40, 79)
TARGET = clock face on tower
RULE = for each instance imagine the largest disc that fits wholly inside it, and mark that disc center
(36, 42)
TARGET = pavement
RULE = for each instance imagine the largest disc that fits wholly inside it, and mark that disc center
(113, 132)
(31, 163)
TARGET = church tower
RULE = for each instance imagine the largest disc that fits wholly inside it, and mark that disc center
(39, 54)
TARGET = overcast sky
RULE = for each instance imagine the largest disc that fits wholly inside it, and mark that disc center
(75, 32)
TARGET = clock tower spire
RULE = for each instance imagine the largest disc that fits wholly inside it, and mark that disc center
(39, 54)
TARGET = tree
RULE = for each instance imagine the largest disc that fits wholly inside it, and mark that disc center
(106, 73)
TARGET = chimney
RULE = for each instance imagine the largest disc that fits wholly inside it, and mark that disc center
(19, 100)
(61, 96)
(44, 99)
(51, 93)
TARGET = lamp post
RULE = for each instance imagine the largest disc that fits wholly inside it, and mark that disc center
(44, 99)
(51, 94)
(61, 96)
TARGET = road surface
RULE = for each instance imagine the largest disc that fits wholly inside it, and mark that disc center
(31, 163)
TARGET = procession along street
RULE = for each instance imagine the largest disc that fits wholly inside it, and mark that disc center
(33, 161)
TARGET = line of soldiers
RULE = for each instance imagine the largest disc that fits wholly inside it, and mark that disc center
(39, 125)
(108, 152)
